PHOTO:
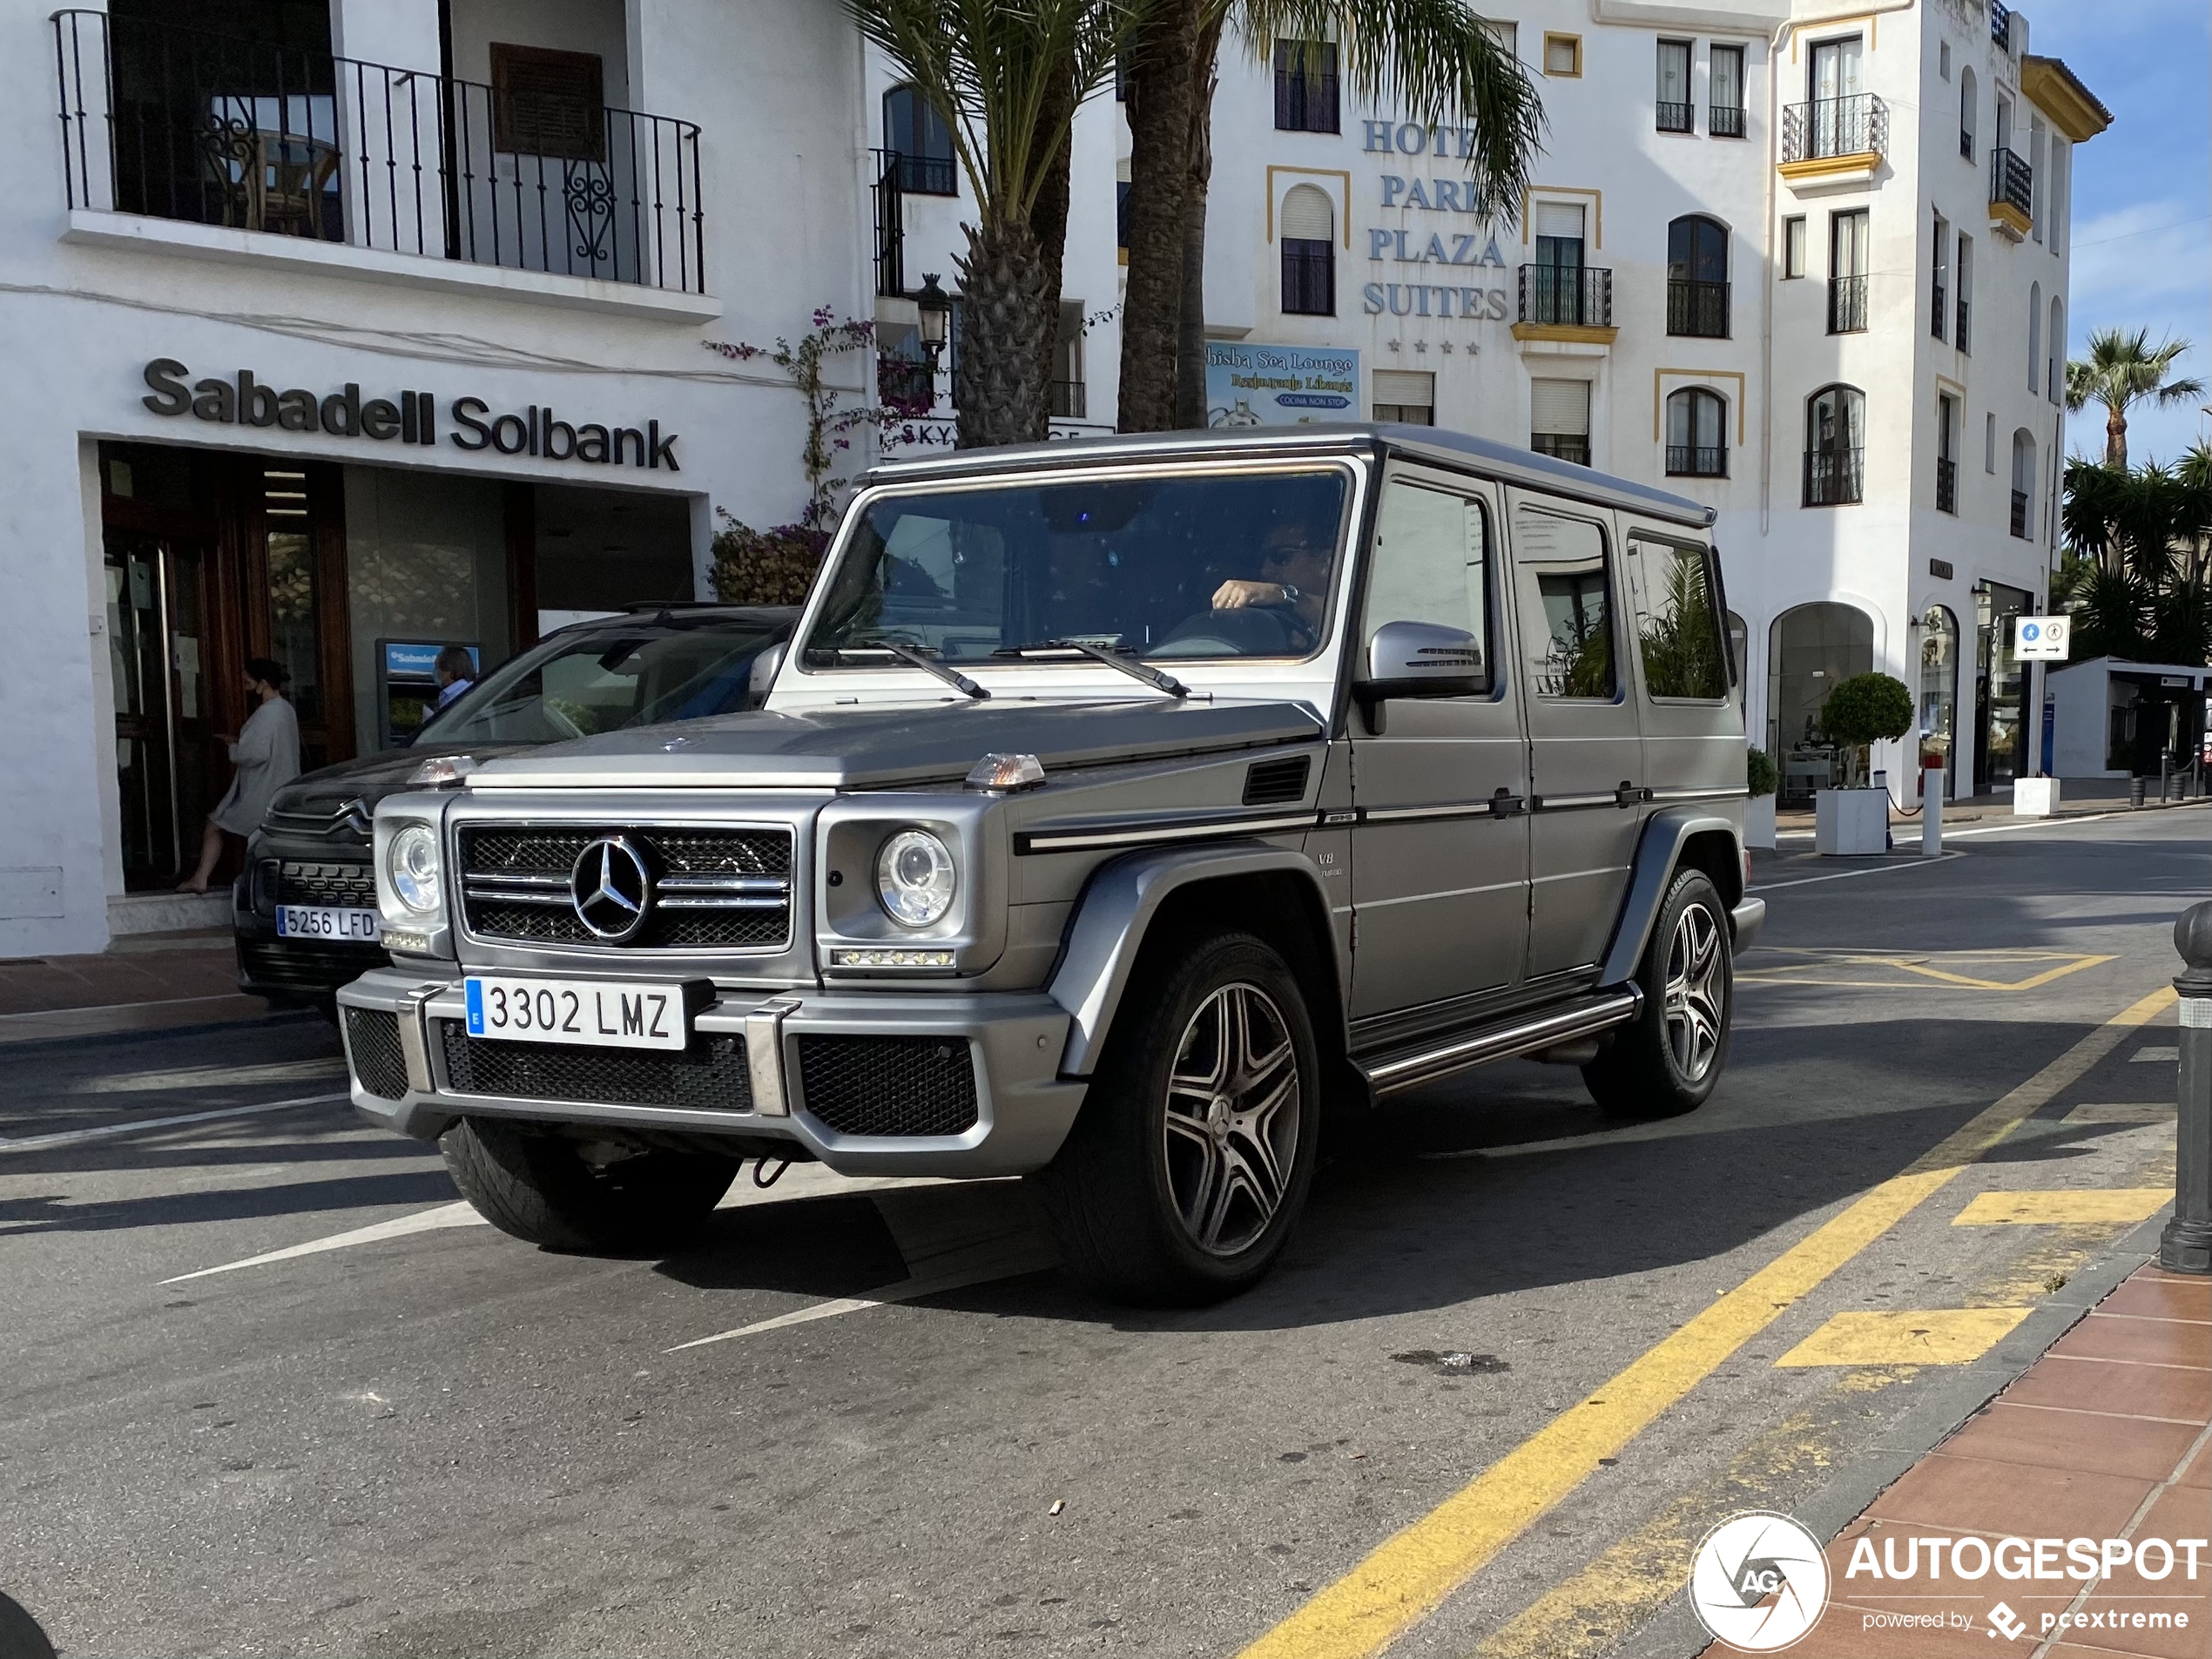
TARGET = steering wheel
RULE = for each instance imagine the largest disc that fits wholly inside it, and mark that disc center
(1249, 630)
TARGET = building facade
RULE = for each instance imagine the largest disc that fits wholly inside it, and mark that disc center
(354, 327)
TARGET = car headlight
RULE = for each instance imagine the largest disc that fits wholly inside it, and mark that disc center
(411, 861)
(915, 877)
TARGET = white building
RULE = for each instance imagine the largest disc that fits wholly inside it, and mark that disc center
(348, 323)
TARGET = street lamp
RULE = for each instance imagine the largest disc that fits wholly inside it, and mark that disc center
(936, 309)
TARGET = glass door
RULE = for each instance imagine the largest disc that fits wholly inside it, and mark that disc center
(164, 724)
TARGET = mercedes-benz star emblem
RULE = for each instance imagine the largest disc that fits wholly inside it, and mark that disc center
(611, 888)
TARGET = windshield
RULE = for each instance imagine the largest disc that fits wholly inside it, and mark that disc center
(600, 678)
(1211, 564)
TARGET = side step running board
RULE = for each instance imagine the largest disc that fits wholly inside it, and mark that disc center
(1407, 1067)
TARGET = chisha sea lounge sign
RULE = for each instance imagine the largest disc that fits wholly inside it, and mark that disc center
(412, 417)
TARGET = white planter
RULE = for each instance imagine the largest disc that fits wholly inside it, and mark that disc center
(1758, 821)
(2035, 796)
(1850, 823)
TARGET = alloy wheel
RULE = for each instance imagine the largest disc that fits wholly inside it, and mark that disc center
(1232, 1127)
(1696, 991)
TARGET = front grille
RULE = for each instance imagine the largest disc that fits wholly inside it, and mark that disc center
(373, 1045)
(710, 1075)
(301, 965)
(902, 1086)
(713, 890)
(348, 885)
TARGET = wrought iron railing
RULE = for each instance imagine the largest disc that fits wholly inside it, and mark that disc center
(925, 175)
(889, 191)
(1965, 143)
(1562, 446)
(1834, 477)
(180, 124)
(2012, 180)
(1947, 485)
(1857, 125)
(1725, 120)
(1566, 296)
(1846, 305)
(2000, 23)
(1697, 461)
(1676, 117)
(1069, 402)
(1698, 309)
(1938, 308)
(2022, 527)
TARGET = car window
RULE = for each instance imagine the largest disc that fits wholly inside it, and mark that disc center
(1677, 625)
(1431, 564)
(1566, 610)
(599, 679)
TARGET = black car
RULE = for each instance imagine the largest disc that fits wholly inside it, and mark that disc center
(305, 907)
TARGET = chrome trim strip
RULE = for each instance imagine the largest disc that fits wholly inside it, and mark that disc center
(718, 901)
(764, 1056)
(1182, 830)
(770, 884)
(1430, 1064)
(1697, 794)
(1495, 806)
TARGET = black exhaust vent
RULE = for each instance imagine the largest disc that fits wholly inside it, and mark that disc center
(372, 1044)
(1272, 783)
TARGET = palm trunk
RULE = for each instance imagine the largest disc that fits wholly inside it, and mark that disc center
(1006, 337)
(1161, 85)
(2116, 437)
(1049, 219)
(1191, 332)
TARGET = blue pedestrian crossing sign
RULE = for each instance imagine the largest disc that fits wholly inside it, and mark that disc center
(2039, 638)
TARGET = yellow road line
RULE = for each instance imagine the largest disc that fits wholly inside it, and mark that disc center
(1906, 1337)
(2062, 1207)
(2068, 964)
(1404, 1579)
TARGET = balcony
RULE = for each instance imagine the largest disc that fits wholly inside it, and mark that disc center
(1947, 485)
(2023, 522)
(1725, 121)
(889, 192)
(242, 135)
(1696, 460)
(1833, 143)
(1847, 305)
(1834, 477)
(925, 175)
(1565, 304)
(1070, 402)
(1698, 310)
(1939, 309)
(1676, 117)
(1961, 336)
(2011, 194)
(1562, 446)
(2000, 23)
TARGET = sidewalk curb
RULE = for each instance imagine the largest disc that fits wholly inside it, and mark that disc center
(1674, 1631)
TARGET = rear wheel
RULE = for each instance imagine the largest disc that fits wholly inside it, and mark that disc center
(1669, 1059)
(541, 1187)
(1188, 1167)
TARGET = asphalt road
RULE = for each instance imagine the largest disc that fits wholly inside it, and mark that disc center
(409, 1435)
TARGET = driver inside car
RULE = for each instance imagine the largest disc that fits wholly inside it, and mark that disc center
(1293, 578)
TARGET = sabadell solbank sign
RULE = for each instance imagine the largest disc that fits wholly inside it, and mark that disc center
(412, 417)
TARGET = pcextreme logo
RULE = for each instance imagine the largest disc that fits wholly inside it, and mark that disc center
(1758, 1582)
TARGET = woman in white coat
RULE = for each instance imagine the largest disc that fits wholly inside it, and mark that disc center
(266, 752)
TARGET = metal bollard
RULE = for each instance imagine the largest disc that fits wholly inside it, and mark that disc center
(2186, 1246)
(2135, 791)
(1931, 813)
(2165, 778)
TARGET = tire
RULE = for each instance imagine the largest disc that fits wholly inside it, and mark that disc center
(1169, 1194)
(538, 1187)
(1667, 1060)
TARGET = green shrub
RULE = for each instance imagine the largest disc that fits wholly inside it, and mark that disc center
(1760, 774)
(1864, 710)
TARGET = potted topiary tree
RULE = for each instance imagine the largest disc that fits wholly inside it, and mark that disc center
(1762, 779)
(1864, 710)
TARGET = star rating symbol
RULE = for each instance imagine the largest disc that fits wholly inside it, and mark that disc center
(1396, 345)
(1445, 348)
(1421, 346)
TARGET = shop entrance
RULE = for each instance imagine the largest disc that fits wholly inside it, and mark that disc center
(2001, 755)
(1812, 650)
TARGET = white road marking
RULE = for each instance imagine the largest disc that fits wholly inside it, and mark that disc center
(423, 1221)
(2156, 1051)
(906, 1292)
(1844, 875)
(144, 1082)
(70, 1138)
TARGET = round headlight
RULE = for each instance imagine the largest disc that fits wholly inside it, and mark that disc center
(914, 878)
(412, 862)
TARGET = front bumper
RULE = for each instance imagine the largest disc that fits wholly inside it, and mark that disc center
(1747, 919)
(1023, 1107)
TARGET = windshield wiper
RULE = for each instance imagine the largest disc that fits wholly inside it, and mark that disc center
(1152, 676)
(952, 676)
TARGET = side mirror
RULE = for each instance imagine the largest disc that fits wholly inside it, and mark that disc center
(1422, 659)
(763, 674)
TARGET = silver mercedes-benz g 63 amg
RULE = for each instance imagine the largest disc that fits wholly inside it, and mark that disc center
(1116, 807)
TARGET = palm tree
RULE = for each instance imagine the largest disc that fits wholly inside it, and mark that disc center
(1429, 61)
(2123, 369)
(1008, 77)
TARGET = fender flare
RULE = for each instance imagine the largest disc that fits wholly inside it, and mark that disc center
(1115, 914)
(1658, 853)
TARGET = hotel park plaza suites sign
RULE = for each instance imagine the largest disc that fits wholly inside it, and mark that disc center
(410, 417)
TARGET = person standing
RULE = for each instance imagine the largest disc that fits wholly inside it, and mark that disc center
(267, 753)
(455, 671)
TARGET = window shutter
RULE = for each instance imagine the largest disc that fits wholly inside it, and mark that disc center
(1402, 386)
(1561, 408)
(1559, 218)
(1309, 215)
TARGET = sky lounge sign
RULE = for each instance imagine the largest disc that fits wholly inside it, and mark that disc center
(412, 418)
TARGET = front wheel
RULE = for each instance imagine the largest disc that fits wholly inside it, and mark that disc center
(1669, 1059)
(540, 1189)
(1188, 1167)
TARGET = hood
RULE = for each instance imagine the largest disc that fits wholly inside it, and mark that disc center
(883, 748)
(367, 779)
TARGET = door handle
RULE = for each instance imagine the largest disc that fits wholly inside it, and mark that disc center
(1506, 804)
(1629, 794)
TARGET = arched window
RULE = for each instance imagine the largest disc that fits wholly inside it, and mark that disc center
(1811, 650)
(1697, 277)
(916, 134)
(2054, 351)
(2024, 484)
(1835, 446)
(2034, 333)
(1966, 113)
(1309, 238)
(1696, 433)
